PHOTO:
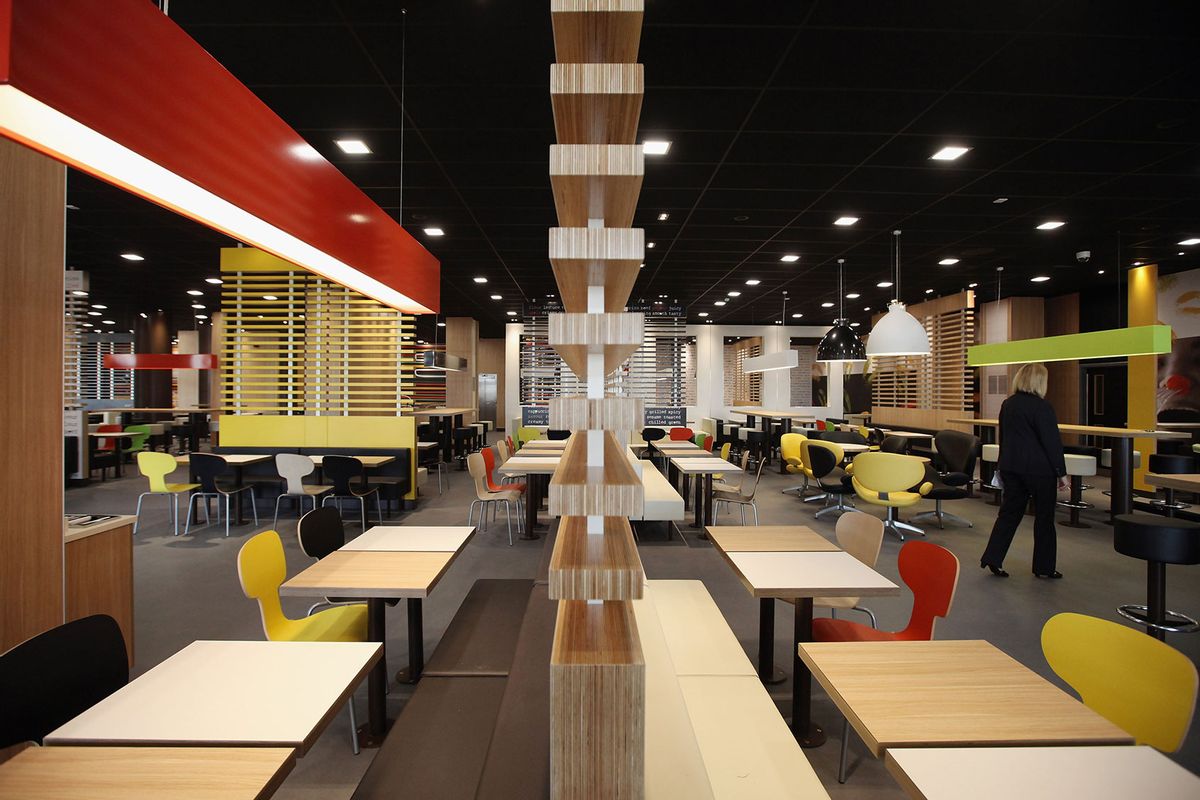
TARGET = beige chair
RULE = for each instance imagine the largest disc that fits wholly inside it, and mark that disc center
(485, 497)
(741, 497)
(860, 535)
(722, 485)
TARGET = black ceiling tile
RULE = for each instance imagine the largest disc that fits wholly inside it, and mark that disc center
(675, 108)
(718, 13)
(346, 111)
(1098, 158)
(928, 14)
(194, 14)
(983, 115)
(837, 111)
(669, 55)
(786, 147)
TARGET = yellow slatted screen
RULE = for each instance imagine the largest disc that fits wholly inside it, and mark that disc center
(294, 343)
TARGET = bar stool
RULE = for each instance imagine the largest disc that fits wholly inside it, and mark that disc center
(756, 443)
(991, 455)
(480, 434)
(1078, 467)
(1082, 450)
(1158, 542)
(463, 441)
(1106, 463)
(1171, 464)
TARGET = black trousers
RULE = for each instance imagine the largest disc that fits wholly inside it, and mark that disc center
(1018, 489)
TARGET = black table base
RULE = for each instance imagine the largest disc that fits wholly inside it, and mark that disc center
(806, 733)
(768, 673)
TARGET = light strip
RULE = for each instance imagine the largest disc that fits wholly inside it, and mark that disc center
(1140, 341)
(43, 128)
(782, 359)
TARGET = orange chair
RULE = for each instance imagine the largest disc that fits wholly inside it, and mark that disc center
(709, 441)
(489, 467)
(931, 572)
(681, 434)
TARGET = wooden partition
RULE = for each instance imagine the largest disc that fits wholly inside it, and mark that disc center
(32, 229)
(1062, 317)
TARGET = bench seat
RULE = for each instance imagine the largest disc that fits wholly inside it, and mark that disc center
(482, 636)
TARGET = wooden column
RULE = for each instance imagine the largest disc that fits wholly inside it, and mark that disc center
(32, 229)
(1062, 317)
(462, 340)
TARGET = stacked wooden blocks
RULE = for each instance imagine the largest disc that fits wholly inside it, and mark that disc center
(597, 673)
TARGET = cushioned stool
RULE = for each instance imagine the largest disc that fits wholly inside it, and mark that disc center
(464, 443)
(756, 443)
(1081, 450)
(1158, 541)
(1171, 464)
(1106, 460)
(1078, 468)
(991, 455)
(480, 434)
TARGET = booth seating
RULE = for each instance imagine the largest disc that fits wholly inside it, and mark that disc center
(478, 724)
(1078, 468)
(1171, 464)
(1158, 541)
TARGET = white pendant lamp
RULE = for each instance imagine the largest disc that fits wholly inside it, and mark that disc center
(899, 333)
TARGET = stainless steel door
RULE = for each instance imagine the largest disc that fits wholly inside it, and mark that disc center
(487, 397)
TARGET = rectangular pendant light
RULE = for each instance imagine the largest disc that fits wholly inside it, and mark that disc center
(1116, 343)
(116, 89)
(439, 360)
(784, 359)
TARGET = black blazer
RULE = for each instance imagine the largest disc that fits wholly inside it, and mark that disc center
(1029, 440)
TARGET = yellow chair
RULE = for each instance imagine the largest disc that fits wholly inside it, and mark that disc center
(1133, 680)
(155, 467)
(887, 479)
(790, 451)
(720, 476)
(527, 435)
(262, 568)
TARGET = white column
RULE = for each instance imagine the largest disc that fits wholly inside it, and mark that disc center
(512, 373)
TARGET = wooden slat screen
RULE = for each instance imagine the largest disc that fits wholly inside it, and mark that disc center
(315, 347)
(97, 382)
(740, 388)
(940, 381)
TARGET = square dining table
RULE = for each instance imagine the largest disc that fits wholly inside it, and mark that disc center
(537, 470)
(949, 693)
(703, 468)
(383, 563)
(145, 773)
(800, 575)
(210, 693)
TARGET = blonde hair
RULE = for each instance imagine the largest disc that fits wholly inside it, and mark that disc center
(1030, 378)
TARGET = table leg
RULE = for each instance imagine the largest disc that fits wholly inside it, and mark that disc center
(416, 644)
(377, 722)
(698, 503)
(533, 499)
(1122, 477)
(708, 504)
(237, 497)
(767, 671)
(786, 428)
(806, 732)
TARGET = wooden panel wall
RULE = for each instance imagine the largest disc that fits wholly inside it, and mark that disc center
(1062, 317)
(462, 340)
(32, 229)
(491, 359)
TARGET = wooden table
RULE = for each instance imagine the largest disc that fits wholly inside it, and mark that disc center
(236, 460)
(1121, 441)
(368, 462)
(769, 539)
(545, 444)
(1183, 483)
(801, 575)
(1039, 773)
(413, 538)
(704, 469)
(447, 420)
(377, 576)
(265, 694)
(95, 438)
(537, 471)
(785, 416)
(949, 693)
(196, 416)
(145, 773)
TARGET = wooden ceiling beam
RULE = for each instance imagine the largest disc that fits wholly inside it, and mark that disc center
(596, 181)
(596, 103)
(608, 257)
(596, 31)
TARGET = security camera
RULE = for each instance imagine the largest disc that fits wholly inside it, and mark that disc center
(1083, 256)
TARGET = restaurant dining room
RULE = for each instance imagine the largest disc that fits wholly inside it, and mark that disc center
(599, 399)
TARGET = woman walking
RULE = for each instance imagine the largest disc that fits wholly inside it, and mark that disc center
(1031, 465)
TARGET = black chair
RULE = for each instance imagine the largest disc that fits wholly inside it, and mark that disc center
(427, 432)
(844, 437)
(652, 435)
(557, 435)
(321, 532)
(1170, 464)
(894, 444)
(344, 472)
(1158, 542)
(830, 478)
(957, 451)
(209, 469)
(54, 677)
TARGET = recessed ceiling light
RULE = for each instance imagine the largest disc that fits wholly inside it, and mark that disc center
(855, 324)
(132, 257)
(853, 296)
(753, 282)
(1050, 225)
(1179, 253)
(1137, 263)
(1039, 279)
(789, 258)
(511, 313)
(950, 153)
(434, 232)
(109, 321)
(929, 291)
(497, 297)
(420, 341)
(195, 292)
(663, 217)
(269, 297)
(95, 314)
(972, 285)
(197, 305)
(214, 281)
(1189, 242)
(884, 284)
(702, 314)
(97, 305)
(72, 207)
(866, 308)
(826, 305)
(1000, 200)
(845, 221)
(202, 316)
(88, 325)
(650, 245)
(143, 315)
(734, 294)
(79, 293)
(354, 147)
(1099, 272)
(654, 147)
(719, 303)
(948, 262)
(797, 316)
(481, 279)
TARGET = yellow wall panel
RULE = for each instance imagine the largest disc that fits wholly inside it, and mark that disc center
(1143, 370)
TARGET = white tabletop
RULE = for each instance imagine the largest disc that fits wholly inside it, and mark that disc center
(276, 694)
(677, 445)
(1040, 773)
(523, 466)
(410, 538)
(702, 466)
(851, 447)
(908, 434)
(546, 444)
(808, 574)
(428, 445)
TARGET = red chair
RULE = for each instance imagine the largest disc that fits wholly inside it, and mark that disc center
(709, 441)
(821, 425)
(107, 444)
(931, 572)
(681, 434)
(489, 468)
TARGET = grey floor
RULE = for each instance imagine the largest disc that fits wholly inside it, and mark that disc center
(187, 588)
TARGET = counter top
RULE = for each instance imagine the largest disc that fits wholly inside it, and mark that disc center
(72, 533)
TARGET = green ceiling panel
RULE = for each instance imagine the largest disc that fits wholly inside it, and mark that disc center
(1141, 341)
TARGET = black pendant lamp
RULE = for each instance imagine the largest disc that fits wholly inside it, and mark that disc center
(841, 343)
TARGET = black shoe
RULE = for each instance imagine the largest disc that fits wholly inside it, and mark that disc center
(1053, 575)
(997, 571)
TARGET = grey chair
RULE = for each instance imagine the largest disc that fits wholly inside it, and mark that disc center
(294, 469)
(741, 497)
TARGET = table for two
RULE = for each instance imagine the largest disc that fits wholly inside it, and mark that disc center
(784, 417)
